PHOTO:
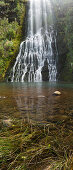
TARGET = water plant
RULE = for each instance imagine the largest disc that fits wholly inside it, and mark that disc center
(33, 146)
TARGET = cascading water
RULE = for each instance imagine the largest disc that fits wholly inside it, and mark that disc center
(36, 61)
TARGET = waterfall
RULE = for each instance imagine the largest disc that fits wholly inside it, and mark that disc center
(36, 61)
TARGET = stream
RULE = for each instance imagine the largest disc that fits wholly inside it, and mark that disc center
(35, 102)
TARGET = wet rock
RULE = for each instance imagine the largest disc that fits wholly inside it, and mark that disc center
(41, 96)
(9, 79)
(45, 71)
(57, 93)
(2, 97)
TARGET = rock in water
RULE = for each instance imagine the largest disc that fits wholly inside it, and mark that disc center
(57, 93)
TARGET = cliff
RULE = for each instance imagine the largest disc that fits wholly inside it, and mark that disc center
(63, 20)
(13, 29)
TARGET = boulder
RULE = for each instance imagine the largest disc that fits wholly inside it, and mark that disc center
(57, 93)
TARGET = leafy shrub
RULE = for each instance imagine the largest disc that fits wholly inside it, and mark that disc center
(1, 51)
(2, 3)
(10, 34)
(8, 30)
(8, 45)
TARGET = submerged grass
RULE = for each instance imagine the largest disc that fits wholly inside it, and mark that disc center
(35, 146)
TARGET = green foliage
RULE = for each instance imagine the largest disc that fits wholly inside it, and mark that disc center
(10, 32)
(1, 51)
(8, 45)
(2, 3)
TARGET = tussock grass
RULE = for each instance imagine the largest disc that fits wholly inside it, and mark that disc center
(35, 146)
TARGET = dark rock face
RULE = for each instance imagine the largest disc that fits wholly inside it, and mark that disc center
(45, 71)
(63, 22)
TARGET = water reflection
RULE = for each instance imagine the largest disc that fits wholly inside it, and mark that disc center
(33, 103)
(37, 103)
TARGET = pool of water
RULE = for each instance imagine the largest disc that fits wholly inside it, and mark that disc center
(34, 102)
(31, 118)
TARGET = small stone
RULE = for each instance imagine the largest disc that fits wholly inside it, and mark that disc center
(57, 93)
(2, 97)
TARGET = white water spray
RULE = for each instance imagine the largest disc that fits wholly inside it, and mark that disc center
(36, 56)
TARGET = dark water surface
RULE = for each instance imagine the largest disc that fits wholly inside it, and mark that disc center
(34, 102)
